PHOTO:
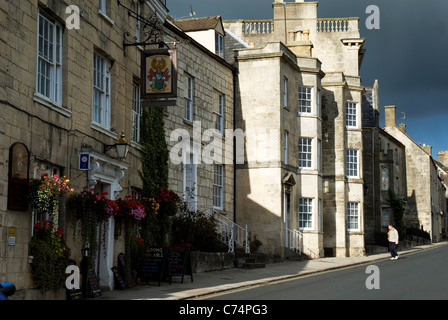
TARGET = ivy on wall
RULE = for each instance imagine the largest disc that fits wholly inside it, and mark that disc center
(154, 170)
(398, 209)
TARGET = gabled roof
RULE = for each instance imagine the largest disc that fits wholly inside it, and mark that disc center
(199, 24)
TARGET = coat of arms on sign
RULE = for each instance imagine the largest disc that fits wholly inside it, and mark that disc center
(159, 74)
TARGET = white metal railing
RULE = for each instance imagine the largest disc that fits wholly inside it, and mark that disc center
(230, 233)
(294, 240)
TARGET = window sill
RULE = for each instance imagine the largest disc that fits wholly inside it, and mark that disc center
(51, 105)
(136, 145)
(189, 122)
(96, 126)
(106, 17)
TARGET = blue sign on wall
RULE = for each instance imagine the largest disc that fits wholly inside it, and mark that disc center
(84, 161)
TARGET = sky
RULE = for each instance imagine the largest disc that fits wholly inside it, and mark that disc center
(408, 54)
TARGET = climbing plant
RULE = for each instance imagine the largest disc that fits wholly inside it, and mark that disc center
(154, 169)
(398, 209)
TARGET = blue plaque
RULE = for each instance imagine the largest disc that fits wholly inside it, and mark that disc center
(84, 161)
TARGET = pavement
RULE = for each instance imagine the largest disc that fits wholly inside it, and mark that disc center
(216, 282)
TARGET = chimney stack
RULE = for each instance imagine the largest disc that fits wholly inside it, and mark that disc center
(428, 149)
(443, 157)
(389, 112)
(402, 127)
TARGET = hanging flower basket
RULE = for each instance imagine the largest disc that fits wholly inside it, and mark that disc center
(168, 202)
(130, 208)
(46, 194)
(50, 256)
(91, 209)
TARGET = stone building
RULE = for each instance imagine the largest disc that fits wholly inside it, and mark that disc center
(384, 161)
(299, 97)
(425, 187)
(68, 85)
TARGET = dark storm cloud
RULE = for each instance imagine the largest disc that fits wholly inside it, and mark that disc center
(407, 54)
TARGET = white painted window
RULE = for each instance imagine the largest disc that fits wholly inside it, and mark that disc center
(305, 153)
(351, 114)
(189, 98)
(136, 112)
(285, 92)
(218, 111)
(137, 21)
(305, 99)
(218, 186)
(189, 168)
(219, 44)
(352, 162)
(104, 8)
(49, 60)
(318, 103)
(101, 90)
(305, 213)
(319, 155)
(353, 216)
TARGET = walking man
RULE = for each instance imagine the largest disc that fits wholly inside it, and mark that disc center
(392, 236)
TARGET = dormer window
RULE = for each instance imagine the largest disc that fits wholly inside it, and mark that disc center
(219, 44)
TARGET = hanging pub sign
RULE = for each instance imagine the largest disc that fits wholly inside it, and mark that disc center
(159, 73)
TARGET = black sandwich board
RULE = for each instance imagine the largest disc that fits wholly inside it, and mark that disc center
(95, 289)
(179, 262)
(155, 266)
(119, 282)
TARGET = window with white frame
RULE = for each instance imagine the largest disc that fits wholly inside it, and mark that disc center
(318, 103)
(305, 213)
(189, 168)
(49, 59)
(285, 146)
(189, 98)
(138, 9)
(353, 216)
(218, 186)
(285, 92)
(219, 44)
(305, 99)
(352, 162)
(319, 215)
(319, 155)
(104, 7)
(136, 112)
(218, 111)
(305, 153)
(351, 114)
(101, 90)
